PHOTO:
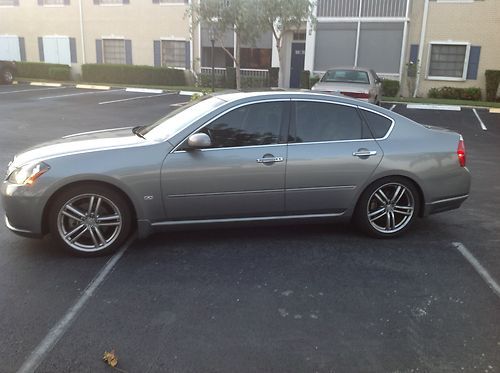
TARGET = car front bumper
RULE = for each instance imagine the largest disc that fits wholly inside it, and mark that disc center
(23, 209)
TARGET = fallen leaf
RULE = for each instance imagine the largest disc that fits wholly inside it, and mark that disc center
(110, 358)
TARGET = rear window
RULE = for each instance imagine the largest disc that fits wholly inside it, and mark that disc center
(346, 76)
(378, 124)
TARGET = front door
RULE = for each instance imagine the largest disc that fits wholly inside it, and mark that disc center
(331, 156)
(241, 175)
(297, 64)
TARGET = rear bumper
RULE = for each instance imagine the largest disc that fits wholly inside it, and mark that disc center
(444, 205)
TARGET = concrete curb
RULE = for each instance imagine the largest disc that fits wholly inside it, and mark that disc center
(92, 86)
(43, 84)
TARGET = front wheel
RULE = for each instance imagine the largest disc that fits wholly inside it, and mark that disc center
(388, 207)
(90, 220)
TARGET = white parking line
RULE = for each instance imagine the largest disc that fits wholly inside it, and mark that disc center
(80, 94)
(433, 107)
(392, 107)
(478, 267)
(483, 127)
(30, 90)
(134, 98)
(58, 330)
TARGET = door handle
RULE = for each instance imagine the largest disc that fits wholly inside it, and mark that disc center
(270, 160)
(364, 153)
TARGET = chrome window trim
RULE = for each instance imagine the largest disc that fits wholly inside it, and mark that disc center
(264, 100)
(231, 147)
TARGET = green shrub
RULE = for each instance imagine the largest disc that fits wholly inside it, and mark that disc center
(305, 76)
(274, 73)
(248, 82)
(390, 87)
(42, 70)
(472, 94)
(59, 73)
(492, 82)
(205, 80)
(313, 80)
(133, 74)
(230, 77)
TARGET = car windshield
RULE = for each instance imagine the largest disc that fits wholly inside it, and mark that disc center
(177, 120)
(346, 76)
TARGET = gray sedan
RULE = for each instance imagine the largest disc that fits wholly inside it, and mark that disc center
(356, 82)
(233, 158)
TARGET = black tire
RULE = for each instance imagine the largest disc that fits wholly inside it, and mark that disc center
(90, 220)
(381, 213)
(7, 76)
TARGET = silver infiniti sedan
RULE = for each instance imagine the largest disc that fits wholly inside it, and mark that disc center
(356, 82)
(237, 157)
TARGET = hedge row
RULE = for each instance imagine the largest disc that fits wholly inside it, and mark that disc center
(390, 88)
(42, 70)
(134, 74)
(472, 94)
(492, 83)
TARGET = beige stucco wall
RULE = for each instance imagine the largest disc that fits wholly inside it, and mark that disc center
(140, 21)
(477, 23)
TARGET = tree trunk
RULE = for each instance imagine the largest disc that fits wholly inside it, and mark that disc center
(237, 61)
(281, 75)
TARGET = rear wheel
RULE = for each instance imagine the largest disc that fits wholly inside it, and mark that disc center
(388, 207)
(7, 76)
(90, 220)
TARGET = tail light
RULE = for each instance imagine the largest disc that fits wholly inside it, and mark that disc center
(461, 152)
(356, 94)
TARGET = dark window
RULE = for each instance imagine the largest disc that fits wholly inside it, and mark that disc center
(257, 124)
(378, 124)
(316, 121)
(447, 60)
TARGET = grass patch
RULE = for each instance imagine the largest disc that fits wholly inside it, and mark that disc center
(440, 101)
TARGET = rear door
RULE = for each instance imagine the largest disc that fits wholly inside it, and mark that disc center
(331, 154)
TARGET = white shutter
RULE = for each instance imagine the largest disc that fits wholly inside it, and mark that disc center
(56, 50)
(9, 48)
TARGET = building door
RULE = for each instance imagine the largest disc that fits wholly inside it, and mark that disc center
(297, 64)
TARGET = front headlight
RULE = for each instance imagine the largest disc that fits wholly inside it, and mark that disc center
(28, 173)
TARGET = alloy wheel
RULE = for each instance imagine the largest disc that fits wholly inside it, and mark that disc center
(89, 222)
(390, 208)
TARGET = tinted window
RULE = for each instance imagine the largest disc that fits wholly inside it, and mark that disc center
(316, 121)
(257, 124)
(378, 124)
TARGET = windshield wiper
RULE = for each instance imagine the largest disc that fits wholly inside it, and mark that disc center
(136, 131)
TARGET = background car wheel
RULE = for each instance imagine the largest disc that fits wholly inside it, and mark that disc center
(7, 76)
(90, 220)
(388, 207)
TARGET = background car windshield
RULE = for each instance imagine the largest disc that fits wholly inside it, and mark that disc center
(179, 119)
(346, 76)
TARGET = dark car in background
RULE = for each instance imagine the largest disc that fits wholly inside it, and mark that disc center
(7, 71)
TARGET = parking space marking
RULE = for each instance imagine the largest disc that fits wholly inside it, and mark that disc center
(483, 127)
(58, 330)
(135, 98)
(30, 90)
(392, 107)
(80, 94)
(433, 107)
(478, 267)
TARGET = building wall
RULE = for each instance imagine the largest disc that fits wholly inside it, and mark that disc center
(477, 23)
(141, 22)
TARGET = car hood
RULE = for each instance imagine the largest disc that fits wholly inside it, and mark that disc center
(339, 87)
(79, 143)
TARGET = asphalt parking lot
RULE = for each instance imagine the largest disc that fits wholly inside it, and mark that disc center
(302, 298)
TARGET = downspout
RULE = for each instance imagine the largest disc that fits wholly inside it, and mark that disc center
(82, 37)
(421, 47)
(358, 30)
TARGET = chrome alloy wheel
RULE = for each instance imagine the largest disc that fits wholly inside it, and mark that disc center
(390, 208)
(89, 222)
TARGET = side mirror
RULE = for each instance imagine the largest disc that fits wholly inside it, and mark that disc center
(199, 141)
